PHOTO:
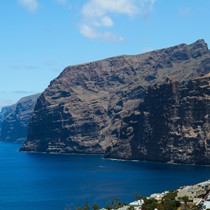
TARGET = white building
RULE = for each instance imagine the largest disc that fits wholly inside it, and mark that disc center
(205, 185)
(159, 196)
(191, 191)
(137, 204)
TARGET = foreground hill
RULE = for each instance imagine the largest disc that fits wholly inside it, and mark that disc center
(94, 106)
(14, 119)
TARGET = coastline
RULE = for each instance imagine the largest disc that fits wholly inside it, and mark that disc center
(112, 159)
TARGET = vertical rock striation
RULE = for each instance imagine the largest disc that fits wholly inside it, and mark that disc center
(92, 106)
(173, 124)
(4, 112)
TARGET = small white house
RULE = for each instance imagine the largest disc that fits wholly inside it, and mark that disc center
(137, 203)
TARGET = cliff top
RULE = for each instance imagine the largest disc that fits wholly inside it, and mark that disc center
(199, 44)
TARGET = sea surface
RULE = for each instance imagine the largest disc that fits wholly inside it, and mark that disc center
(30, 181)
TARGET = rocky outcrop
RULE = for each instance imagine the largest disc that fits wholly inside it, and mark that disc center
(85, 108)
(14, 119)
(173, 125)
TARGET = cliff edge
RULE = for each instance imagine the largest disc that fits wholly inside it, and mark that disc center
(94, 106)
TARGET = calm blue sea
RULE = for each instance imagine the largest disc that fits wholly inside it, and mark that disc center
(53, 182)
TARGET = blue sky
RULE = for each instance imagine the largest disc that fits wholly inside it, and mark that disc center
(39, 38)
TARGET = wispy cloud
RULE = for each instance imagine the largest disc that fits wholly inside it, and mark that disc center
(92, 33)
(97, 16)
(185, 11)
(51, 63)
(25, 67)
(30, 5)
(23, 92)
(17, 92)
(64, 3)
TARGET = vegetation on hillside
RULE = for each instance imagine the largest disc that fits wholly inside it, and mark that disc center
(168, 202)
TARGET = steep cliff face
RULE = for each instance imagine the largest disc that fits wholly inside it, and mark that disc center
(85, 108)
(4, 112)
(173, 125)
(15, 118)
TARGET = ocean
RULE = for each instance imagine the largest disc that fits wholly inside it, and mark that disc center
(30, 181)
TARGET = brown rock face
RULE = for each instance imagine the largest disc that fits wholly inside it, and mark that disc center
(174, 125)
(92, 106)
(14, 119)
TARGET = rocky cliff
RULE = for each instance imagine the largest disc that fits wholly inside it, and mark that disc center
(14, 119)
(4, 112)
(173, 125)
(92, 106)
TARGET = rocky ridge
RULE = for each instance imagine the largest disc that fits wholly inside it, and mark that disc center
(14, 119)
(91, 107)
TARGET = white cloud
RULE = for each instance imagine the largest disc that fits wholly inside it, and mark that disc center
(61, 2)
(100, 7)
(64, 3)
(97, 14)
(92, 33)
(30, 5)
(104, 21)
(88, 32)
